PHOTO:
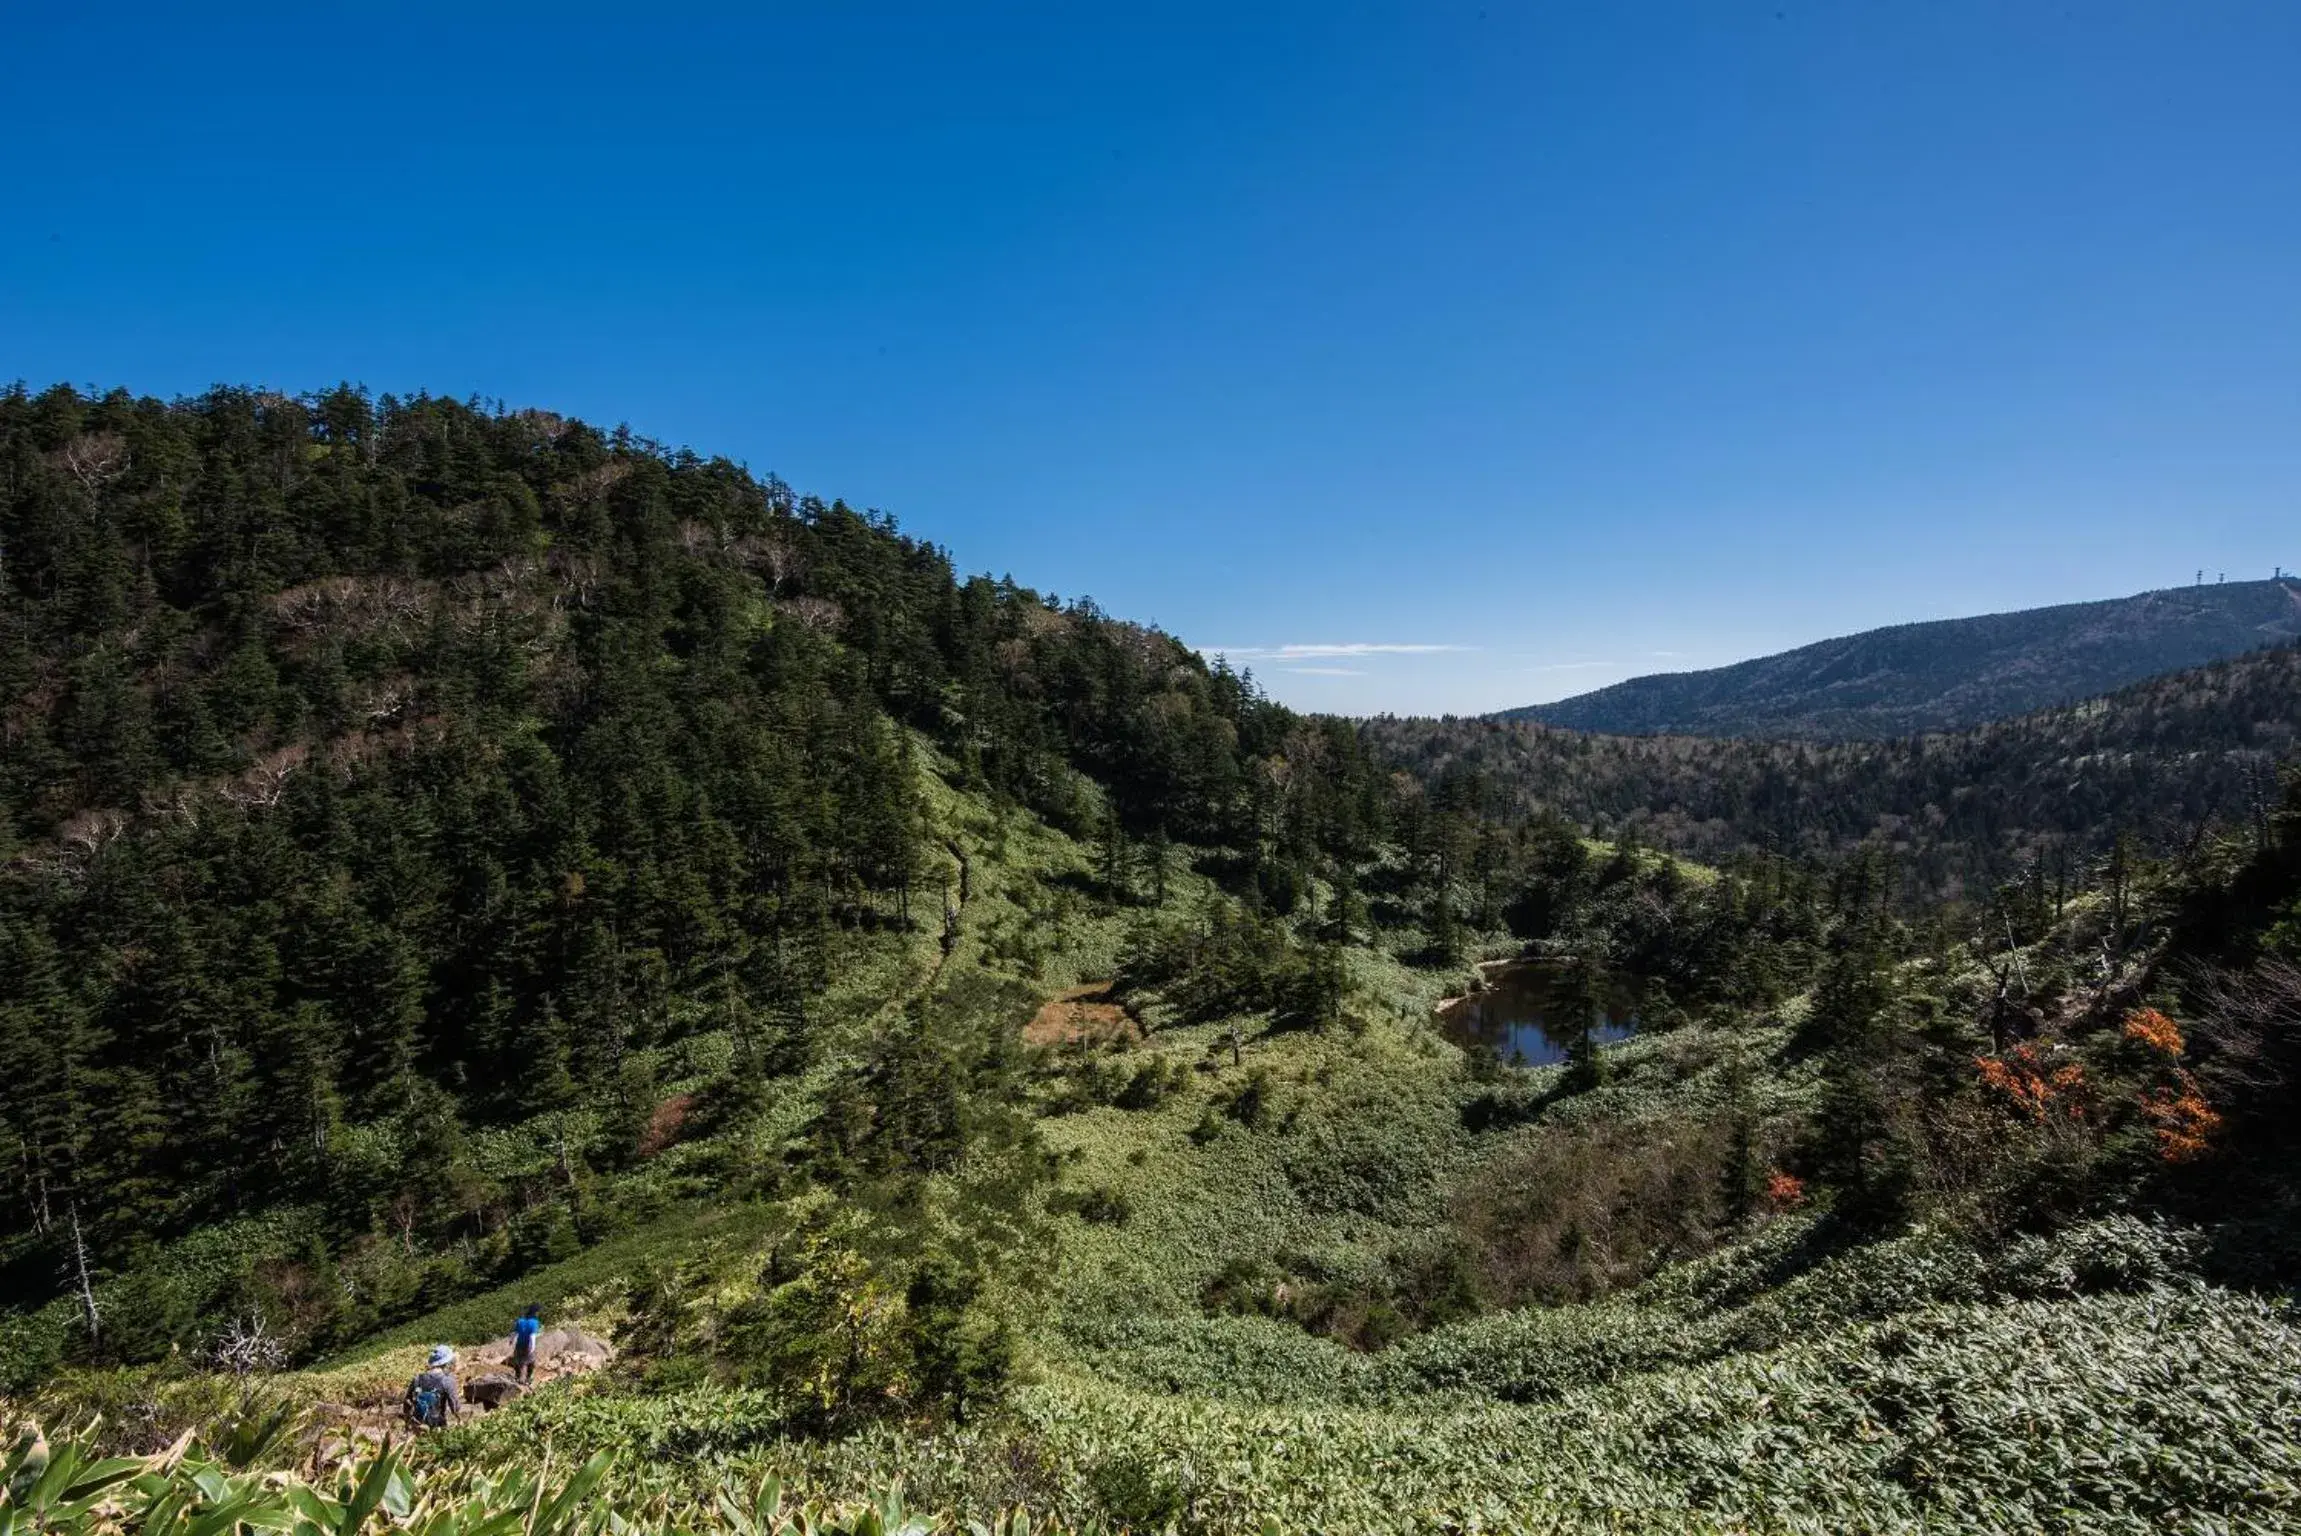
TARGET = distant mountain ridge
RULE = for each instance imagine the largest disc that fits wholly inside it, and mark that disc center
(1945, 673)
(2163, 759)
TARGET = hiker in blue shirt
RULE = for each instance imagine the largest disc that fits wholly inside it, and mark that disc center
(432, 1399)
(523, 1334)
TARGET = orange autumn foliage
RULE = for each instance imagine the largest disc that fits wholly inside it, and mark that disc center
(2155, 1030)
(2030, 1086)
(1784, 1190)
(2186, 1124)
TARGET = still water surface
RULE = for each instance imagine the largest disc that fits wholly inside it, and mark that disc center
(1528, 1011)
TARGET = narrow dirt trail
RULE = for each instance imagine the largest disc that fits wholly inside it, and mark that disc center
(375, 1415)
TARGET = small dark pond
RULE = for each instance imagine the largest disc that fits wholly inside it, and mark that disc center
(1529, 1011)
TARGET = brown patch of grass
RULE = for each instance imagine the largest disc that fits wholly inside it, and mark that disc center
(1578, 1211)
(1084, 1013)
(665, 1126)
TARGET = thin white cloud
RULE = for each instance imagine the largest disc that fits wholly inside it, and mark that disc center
(1324, 671)
(1317, 652)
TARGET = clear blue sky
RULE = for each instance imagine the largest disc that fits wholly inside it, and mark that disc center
(1578, 340)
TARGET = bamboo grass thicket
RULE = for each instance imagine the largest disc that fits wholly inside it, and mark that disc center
(63, 1487)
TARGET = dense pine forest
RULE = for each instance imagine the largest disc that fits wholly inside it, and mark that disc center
(378, 771)
(458, 858)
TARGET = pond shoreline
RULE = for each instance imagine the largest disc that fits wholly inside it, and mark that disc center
(1533, 1010)
(1488, 970)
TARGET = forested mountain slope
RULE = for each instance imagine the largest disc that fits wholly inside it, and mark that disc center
(375, 776)
(2160, 759)
(1944, 674)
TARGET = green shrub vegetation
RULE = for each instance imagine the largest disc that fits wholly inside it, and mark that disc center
(979, 1064)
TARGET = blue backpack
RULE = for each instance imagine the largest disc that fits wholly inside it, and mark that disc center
(426, 1405)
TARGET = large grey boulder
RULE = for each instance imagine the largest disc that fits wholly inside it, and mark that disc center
(492, 1391)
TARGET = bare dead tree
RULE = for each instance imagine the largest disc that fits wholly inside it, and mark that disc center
(84, 1278)
(77, 843)
(577, 575)
(389, 699)
(816, 613)
(593, 485)
(774, 556)
(179, 802)
(549, 426)
(32, 1171)
(403, 1213)
(2001, 968)
(93, 458)
(247, 1347)
(261, 787)
(90, 832)
(512, 573)
(2013, 949)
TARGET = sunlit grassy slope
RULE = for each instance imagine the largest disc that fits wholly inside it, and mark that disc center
(1780, 1384)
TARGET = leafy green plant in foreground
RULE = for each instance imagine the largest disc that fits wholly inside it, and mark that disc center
(61, 1487)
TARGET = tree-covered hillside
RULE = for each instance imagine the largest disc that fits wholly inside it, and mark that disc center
(376, 773)
(1944, 674)
(2160, 761)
